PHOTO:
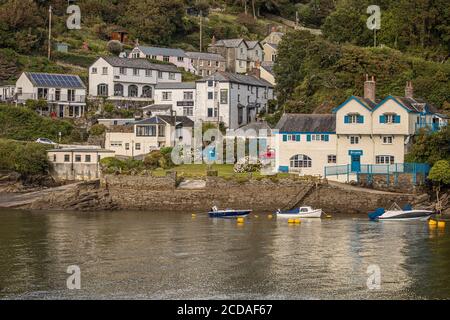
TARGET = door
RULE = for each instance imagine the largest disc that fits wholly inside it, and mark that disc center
(356, 163)
(61, 111)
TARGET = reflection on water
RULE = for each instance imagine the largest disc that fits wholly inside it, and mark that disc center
(174, 256)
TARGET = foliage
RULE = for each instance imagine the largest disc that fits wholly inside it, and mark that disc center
(115, 165)
(430, 147)
(21, 123)
(25, 158)
(440, 172)
(159, 159)
(247, 165)
(97, 129)
(35, 105)
(115, 47)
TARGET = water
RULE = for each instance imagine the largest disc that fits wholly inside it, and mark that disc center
(174, 256)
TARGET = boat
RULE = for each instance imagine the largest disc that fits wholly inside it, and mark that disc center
(396, 213)
(227, 213)
(302, 212)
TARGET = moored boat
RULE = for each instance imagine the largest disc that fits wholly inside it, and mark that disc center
(302, 212)
(228, 213)
(396, 213)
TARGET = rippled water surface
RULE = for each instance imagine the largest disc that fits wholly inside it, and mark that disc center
(139, 255)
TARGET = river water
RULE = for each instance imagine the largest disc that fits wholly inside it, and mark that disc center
(143, 255)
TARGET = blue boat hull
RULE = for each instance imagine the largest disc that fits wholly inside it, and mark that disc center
(229, 214)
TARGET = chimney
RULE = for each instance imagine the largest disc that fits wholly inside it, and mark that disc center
(213, 40)
(370, 88)
(409, 90)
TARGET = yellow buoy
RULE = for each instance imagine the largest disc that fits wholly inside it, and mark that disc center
(297, 221)
(328, 216)
(441, 224)
(240, 220)
(291, 221)
(432, 222)
(194, 215)
(269, 216)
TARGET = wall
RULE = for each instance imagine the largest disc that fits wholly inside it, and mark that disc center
(402, 182)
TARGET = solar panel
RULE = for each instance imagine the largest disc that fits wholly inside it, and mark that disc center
(56, 80)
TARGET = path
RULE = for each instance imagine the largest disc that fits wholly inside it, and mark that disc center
(349, 187)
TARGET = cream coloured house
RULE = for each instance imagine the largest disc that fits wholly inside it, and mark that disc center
(270, 52)
(142, 137)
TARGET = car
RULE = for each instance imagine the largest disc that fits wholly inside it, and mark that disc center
(45, 141)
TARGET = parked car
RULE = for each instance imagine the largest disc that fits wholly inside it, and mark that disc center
(45, 141)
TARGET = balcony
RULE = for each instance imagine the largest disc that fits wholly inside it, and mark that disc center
(431, 126)
(51, 98)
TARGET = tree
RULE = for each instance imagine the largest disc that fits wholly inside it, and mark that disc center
(430, 147)
(440, 175)
(115, 47)
(154, 21)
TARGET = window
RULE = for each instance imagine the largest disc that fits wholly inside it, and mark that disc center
(210, 95)
(384, 159)
(209, 63)
(240, 115)
(138, 146)
(167, 95)
(389, 118)
(57, 94)
(67, 158)
(146, 131)
(210, 112)
(161, 130)
(354, 118)
(160, 75)
(317, 137)
(188, 95)
(105, 70)
(188, 111)
(171, 76)
(132, 91)
(217, 63)
(42, 93)
(154, 57)
(388, 139)
(135, 72)
(210, 83)
(180, 59)
(147, 91)
(148, 73)
(87, 158)
(127, 146)
(77, 158)
(291, 137)
(123, 70)
(331, 158)
(102, 89)
(94, 70)
(239, 98)
(118, 90)
(224, 96)
(116, 144)
(300, 161)
(354, 139)
(166, 58)
(70, 95)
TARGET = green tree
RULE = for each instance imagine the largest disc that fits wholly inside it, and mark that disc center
(440, 175)
(430, 147)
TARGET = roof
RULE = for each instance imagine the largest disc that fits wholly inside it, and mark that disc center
(158, 107)
(273, 45)
(252, 44)
(159, 51)
(139, 63)
(229, 43)
(268, 66)
(80, 150)
(299, 122)
(257, 126)
(54, 80)
(416, 104)
(175, 85)
(205, 56)
(185, 121)
(222, 76)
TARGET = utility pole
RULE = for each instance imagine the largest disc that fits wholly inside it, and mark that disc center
(49, 32)
(201, 30)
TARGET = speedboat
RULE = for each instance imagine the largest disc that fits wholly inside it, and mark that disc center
(228, 213)
(302, 212)
(397, 213)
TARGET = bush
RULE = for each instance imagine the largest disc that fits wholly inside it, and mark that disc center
(97, 130)
(115, 47)
(25, 158)
(159, 159)
(244, 165)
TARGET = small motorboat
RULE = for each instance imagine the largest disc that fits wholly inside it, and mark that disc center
(397, 213)
(227, 213)
(302, 212)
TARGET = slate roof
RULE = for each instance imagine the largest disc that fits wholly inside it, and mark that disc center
(185, 121)
(416, 104)
(175, 85)
(140, 64)
(258, 125)
(273, 45)
(236, 78)
(85, 150)
(298, 122)
(159, 51)
(252, 44)
(268, 66)
(205, 56)
(367, 102)
(158, 107)
(229, 43)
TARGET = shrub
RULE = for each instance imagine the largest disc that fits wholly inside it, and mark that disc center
(25, 158)
(97, 130)
(115, 47)
(244, 165)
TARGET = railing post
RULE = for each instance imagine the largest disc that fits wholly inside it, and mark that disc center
(388, 175)
(348, 172)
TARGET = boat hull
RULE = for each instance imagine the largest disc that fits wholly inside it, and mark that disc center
(406, 215)
(290, 215)
(229, 213)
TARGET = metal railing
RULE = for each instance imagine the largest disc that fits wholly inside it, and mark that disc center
(22, 97)
(432, 126)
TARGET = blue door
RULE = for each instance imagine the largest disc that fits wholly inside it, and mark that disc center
(356, 163)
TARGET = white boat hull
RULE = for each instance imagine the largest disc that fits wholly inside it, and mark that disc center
(313, 214)
(397, 215)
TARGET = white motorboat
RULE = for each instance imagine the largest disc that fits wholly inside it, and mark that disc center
(302, 212)
(397, 213)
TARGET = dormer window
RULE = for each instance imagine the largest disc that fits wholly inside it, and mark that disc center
(354, 118)
(389, 118)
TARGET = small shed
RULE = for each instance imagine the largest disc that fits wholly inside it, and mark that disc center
(120, 35)
(62, 47)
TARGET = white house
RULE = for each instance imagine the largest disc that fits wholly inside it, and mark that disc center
(7, 92)
(127, 81)
(142, 137)
(360, 133)
(176, 56)
(233, 99)
(65, 93)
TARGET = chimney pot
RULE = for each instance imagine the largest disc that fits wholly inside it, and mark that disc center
(370, 89)
(409, 90)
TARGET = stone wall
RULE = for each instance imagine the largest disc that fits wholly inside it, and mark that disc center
(401, 182)
(161, 194)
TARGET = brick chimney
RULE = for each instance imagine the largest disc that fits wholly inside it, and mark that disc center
(409, 90)
(370, 88)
